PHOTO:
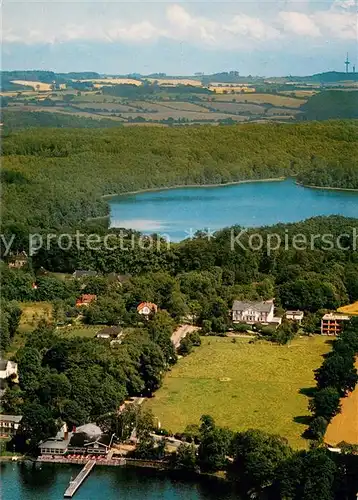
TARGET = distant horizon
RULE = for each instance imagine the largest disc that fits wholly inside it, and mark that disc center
(135, 74)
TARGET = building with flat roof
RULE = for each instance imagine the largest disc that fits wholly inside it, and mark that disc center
(295, 315)
(332, 324)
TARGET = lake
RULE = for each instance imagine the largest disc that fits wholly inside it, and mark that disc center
(30, 481)
(179, 212)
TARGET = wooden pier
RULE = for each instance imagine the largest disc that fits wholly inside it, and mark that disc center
(76, 483)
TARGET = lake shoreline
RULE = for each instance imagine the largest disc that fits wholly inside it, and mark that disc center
(191, 186)
(327, 188)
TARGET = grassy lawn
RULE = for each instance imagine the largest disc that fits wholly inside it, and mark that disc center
(242, 386)
(32, 313)
(79, 330)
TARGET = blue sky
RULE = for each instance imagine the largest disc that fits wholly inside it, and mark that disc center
(260, 38)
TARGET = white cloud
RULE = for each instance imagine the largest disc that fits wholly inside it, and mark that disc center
(188, 27)
(251, 27)
(299, 23)
(135, 24)
(343, 26)
(136, 32)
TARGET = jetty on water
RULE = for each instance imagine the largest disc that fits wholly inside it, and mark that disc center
(76, 483)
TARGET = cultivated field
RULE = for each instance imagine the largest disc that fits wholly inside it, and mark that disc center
(34, 85)
(236, 107)
(175, 81)
(100, 82)
(275, 100)
(350, 309)
(242, 386)
(344, 426)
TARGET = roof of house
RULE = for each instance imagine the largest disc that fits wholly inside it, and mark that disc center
(81, 439)
(79, 273)
(294, 313)
(112, 331)
(19, 256)
(333, 316)
(58, 444)
(11, 418)
(150, 305)
(92, 430)
(86, 298)
(262, 306)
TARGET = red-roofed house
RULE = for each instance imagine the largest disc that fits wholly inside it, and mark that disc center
(85, 299)
(147, 308)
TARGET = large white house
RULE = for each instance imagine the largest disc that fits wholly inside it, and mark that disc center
(253, 312)
(7, 369)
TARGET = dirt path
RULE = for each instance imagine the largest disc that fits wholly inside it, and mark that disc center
(182, 332)
(344, 426)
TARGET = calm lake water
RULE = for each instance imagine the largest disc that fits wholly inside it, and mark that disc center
(180, 212)
(49, 482)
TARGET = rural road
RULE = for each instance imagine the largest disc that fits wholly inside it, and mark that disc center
(182, 332)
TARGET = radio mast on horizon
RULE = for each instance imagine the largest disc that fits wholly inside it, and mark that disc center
(347, 63)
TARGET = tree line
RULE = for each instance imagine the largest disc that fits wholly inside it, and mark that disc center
(335, 378)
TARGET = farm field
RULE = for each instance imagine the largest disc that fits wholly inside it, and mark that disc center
(235, 107)
(349, 309)
(344, 426)
(113, 107)
(34, 84)
(167, 105)
(176, 114)
(275, 100)
(242, 386)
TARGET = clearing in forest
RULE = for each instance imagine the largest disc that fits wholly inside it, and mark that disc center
(242, 385)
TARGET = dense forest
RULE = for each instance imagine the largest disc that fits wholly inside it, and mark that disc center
(331, 104)
(28, 119)
(55, 178)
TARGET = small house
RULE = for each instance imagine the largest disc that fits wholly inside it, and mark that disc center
(295, 316)
(57, 445)
(85, 300)
(8, 369)
(110, 332)
(18, 260)
(9, 424)
(147, 308)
